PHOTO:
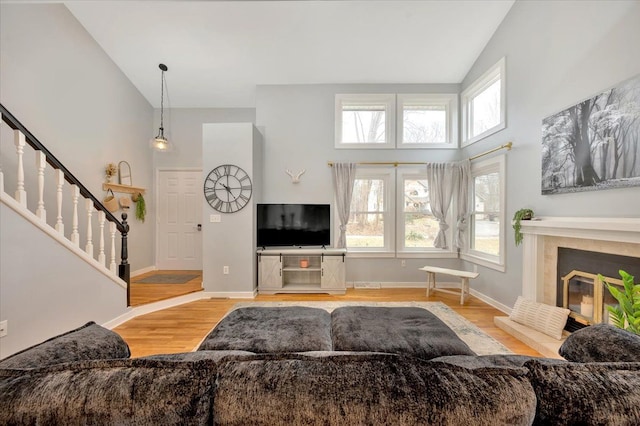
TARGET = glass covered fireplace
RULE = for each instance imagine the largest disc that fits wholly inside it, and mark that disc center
(587, 298)
(580, 290)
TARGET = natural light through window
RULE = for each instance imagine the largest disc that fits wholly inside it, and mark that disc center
(485, 109)
(420, 226)
(427, 120)
(486, 225)
(483, 105)
(365, 120)
(362, 124)
(366, 226)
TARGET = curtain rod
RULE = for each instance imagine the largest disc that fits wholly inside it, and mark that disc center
(506, 146)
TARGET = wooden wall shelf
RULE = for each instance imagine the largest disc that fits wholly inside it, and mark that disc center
(122, 188)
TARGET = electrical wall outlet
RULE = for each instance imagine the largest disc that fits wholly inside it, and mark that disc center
(225, 270)
(4, 328)
(403, 263)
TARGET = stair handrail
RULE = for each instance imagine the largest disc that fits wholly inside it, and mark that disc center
(123, 227)
(15, 124)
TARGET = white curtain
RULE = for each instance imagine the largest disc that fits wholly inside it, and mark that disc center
(462, 174)
(344, 176)
(441, 185)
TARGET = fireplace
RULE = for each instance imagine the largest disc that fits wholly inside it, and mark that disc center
(579, 289)
(545, 236)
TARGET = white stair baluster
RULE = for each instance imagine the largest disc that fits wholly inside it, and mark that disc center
(59, 183)
(75, 194)
(112, 231)
(101, 256)
(41, 163)
(88, 202)
(21, 194)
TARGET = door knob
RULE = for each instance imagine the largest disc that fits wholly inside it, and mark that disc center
(199, 227)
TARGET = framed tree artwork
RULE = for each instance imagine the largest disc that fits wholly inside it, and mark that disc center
(594, 144)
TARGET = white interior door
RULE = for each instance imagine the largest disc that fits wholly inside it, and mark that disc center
(179, 219)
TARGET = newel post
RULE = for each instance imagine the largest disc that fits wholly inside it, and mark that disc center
(124, 268)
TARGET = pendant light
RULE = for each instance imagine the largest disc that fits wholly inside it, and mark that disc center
(160, 143)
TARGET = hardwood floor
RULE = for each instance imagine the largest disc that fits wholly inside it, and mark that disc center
(182, 328)
(143, 293)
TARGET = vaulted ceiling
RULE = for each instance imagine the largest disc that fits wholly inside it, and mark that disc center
(218, 51)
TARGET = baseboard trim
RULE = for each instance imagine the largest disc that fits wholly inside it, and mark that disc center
(143, 271)
(176, 301)
(489, 301)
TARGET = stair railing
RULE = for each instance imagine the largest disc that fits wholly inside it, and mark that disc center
(22, 137)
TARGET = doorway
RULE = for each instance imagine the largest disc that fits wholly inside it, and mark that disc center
(179, 219)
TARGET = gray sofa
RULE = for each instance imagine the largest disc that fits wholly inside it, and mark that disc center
(304, 366)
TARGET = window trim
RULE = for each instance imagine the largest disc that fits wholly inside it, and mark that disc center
(387, 174)
(388, 99)
(448, 100)
(477, 87)
(496, 164)
(401, 250)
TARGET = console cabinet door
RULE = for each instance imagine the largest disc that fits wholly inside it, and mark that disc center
(270, 272)
(333, 272)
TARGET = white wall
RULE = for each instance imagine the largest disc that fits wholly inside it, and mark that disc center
(557, 54)
(63, 87)
(45, 289)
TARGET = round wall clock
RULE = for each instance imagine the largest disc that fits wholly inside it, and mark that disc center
(227, 188)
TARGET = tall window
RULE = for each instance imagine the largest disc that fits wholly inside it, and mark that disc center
(390, 214)
(483, 105)
(370, 226)
(365, 121)
(486, 231)
(428, 121)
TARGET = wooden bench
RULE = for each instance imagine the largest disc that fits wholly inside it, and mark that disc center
(463, 275)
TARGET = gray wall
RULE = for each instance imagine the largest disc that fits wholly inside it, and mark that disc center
(183, 127)
(45, 289)
(298, 124)
(232, 241)
(62, 86)
(557, 54)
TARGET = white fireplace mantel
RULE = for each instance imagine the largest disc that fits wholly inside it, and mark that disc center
(611, 230)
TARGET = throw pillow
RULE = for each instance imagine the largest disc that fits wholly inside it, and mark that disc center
(586, 394)
(601, 343)
(546, 319)
(109, 392)
(90, 341)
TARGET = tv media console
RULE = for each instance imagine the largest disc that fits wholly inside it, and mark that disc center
(301, 271)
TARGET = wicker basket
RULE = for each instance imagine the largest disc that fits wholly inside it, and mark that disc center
(110, 202)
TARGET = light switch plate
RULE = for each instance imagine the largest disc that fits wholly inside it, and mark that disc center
(215, 218)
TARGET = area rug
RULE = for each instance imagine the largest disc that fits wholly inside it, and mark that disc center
(479, 342)
(166, 279)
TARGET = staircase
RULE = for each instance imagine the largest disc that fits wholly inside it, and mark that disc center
(79, 196)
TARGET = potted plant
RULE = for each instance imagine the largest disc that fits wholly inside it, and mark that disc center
(141, 206)
(627, 315)
(522, 214)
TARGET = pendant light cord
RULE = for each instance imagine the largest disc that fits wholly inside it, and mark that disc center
(162, 104)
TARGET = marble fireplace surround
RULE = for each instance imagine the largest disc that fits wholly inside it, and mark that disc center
(542, 237)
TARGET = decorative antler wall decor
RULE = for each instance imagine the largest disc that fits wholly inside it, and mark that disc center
(295, 178)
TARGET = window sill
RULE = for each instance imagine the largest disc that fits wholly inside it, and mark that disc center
(426, 255)
(483, 262)
(495, 129)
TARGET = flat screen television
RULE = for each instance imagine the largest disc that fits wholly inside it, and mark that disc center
(296, 225)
